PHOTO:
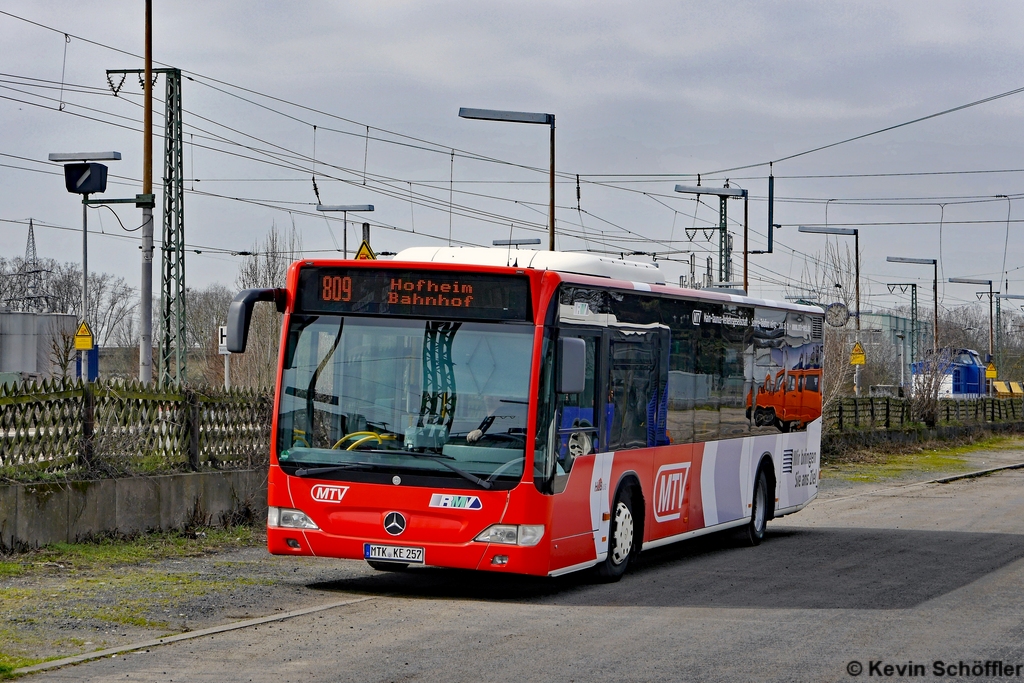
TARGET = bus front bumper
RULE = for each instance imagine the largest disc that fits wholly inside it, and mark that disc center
(498, 557)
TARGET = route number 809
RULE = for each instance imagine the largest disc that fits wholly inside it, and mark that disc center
(336, 288)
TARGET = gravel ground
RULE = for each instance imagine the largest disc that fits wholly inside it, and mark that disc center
(51, 609)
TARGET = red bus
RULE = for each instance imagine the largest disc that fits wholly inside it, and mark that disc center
(523, 411)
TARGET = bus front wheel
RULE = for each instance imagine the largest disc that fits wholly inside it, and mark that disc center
(758, 510)
(621, 540)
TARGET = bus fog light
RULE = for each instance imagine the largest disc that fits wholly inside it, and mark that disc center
(292, 543)
(499, 560)
(499, 533)
(290, 519)
(530, 534)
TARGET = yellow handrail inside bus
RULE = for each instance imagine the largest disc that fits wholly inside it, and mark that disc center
(363, 440)
(365, 435)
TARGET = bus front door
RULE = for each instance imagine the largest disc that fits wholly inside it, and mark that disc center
(572, 520)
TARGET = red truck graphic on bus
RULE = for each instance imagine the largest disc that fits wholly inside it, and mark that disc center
(789, 400)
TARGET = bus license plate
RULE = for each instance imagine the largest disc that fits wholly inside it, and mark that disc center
(393, 553)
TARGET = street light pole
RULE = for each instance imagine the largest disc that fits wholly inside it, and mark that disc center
(344, 209)
(935, 290)
(524, 117)
(855, 233)
(991, 325)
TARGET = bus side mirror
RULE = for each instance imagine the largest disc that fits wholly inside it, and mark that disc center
(572, 365)
(240, 314)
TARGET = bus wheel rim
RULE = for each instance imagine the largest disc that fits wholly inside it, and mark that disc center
(623, 533)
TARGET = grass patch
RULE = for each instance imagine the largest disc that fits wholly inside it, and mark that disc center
(8, 663)
(898, 467)
(114, 551)
(11, 569)
(902, 461)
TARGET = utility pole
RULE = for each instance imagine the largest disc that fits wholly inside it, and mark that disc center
(146, 288)
(173, 349)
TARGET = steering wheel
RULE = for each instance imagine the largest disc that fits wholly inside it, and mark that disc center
(365, 436)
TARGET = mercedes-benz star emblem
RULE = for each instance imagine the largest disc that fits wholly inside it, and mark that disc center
(394, 523)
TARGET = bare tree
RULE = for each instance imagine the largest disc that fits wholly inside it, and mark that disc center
(266, 268)
(207, 310)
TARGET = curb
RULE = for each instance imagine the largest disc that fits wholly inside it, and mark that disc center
(109, 652)
(940, 480)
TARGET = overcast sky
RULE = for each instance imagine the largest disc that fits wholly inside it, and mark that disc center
(645, 95)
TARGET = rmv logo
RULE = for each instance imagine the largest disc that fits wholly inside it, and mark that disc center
(670, 491)
(696, 317)
(328, 494)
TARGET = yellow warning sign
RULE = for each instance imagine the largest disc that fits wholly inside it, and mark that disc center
(990, 371)
(857, 355)
(83, 337)
(365, 253)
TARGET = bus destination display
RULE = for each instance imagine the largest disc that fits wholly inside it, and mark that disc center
(414, 293)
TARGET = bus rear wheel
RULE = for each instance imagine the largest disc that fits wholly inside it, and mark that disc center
(758, 510)
(387, 566)
(621, 541)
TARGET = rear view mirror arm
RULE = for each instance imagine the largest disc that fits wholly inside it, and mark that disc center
(240, 314)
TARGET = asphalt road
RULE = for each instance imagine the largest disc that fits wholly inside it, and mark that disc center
(902, 575)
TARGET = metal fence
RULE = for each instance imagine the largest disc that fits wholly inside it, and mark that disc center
(849, 414)
(117, 428)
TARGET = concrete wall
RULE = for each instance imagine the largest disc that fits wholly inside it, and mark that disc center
(26, 341)
(37, 514)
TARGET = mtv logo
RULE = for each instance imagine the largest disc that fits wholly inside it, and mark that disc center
(670, 491)
(328, 494)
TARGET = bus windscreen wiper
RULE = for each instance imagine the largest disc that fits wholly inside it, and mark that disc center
(439, 459)
(310, 471)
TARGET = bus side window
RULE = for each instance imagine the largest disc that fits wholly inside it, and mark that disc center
(636, 395)
(576, 414)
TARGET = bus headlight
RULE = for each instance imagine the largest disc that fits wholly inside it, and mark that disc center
(512, 534)
(289, 519)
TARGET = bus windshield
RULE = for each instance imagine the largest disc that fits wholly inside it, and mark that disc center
(427, 402)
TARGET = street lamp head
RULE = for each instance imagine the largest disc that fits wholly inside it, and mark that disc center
(84, 156)
(516, 243)
(344, 207)
(970, 281)
(714, 191)
(850, 232)
(509, 116)
(903, 259)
